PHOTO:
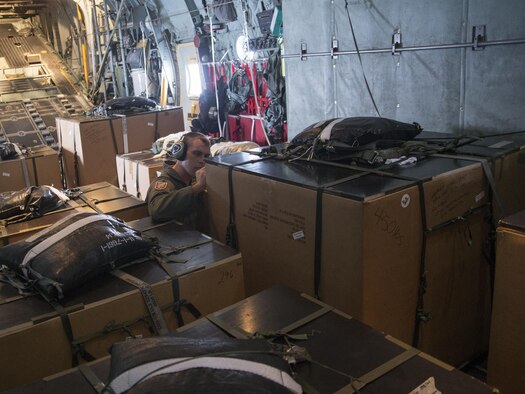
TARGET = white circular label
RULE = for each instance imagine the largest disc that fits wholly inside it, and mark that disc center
(405, 200)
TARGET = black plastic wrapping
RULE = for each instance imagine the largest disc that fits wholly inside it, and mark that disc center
(129, 105)
(29, 203)
(8, 151)
(72, 252)
(359, 131)
(136, 353)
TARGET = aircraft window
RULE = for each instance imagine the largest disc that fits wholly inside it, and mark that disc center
(193, 80)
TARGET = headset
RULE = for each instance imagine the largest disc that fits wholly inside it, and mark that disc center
(179, 149)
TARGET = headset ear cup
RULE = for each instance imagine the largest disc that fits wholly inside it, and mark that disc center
(178, 150)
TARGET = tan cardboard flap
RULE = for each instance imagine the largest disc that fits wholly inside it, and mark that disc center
(282, 217)
(458, 291)
(507, 343)
(453, 193)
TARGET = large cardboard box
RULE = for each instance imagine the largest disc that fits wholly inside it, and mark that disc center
(40, 166)
(506, 158)
(356, 238)
(90, 144)
(507, 342)
(104, 196)
(136, 171)
(208, 275)
(344, 355)
(217, 196)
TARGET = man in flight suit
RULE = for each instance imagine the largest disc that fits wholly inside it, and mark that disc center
(176, 193)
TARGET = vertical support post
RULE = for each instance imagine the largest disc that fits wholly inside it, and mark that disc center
(116, 90)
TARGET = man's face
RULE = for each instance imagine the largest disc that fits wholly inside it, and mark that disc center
(194, 160)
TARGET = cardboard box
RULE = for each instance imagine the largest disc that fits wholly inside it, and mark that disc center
(507, 161)
(339, 347)
(507, 342)
(108, 309)
(106, 197)
(341, 344)
(40, 166)
(458, 290)
(90, 144)
(368, 231)
(217, 196)
(136, 171)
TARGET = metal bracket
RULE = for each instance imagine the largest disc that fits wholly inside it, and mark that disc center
(478, 37)
(396, 42)
(335, 48)
(303, 51)
(423, 316)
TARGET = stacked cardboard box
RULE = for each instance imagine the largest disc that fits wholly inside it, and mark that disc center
(507, 344)
(136, 171)
(507, 162)
(101, 196)
(355, 238)
(39, 166)
(344, 355)
(90, 144)
(199, 272)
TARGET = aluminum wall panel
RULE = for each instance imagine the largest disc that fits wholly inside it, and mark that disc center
(450, 90)
(309, 83)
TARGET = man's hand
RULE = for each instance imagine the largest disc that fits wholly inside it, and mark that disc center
(200, 180)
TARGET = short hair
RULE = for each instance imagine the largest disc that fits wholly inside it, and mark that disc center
(195, 135)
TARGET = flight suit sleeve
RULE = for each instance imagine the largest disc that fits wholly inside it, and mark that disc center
(167, 202)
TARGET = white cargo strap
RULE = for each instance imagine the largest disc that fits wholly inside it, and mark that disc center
(59, 194)
(137, 183)
(25, 172)
(134, 376)
(318, 124)
(124, 132)
(46, 244)
(45, 231)
(149, 299)
(327, 131)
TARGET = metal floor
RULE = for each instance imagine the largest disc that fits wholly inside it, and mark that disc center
(34, 90)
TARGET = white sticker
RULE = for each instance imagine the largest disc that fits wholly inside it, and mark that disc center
(427, 387)
(298, 235)
(6, 174)
(500, 144)
(405, 201)
(480, 196)
(151, 124)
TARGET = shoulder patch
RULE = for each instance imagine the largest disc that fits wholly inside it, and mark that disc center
(161, 185)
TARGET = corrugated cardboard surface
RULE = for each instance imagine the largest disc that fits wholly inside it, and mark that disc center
(370, 259)
(458, 291)
(92, 140)
(40, 349)
(276, 230)
(217, 196)
(217, 201)
(508, 174)
(506, 359)
(338, 345)
(136, 171)
(372, 233)
(453, 193)
(42, 169)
